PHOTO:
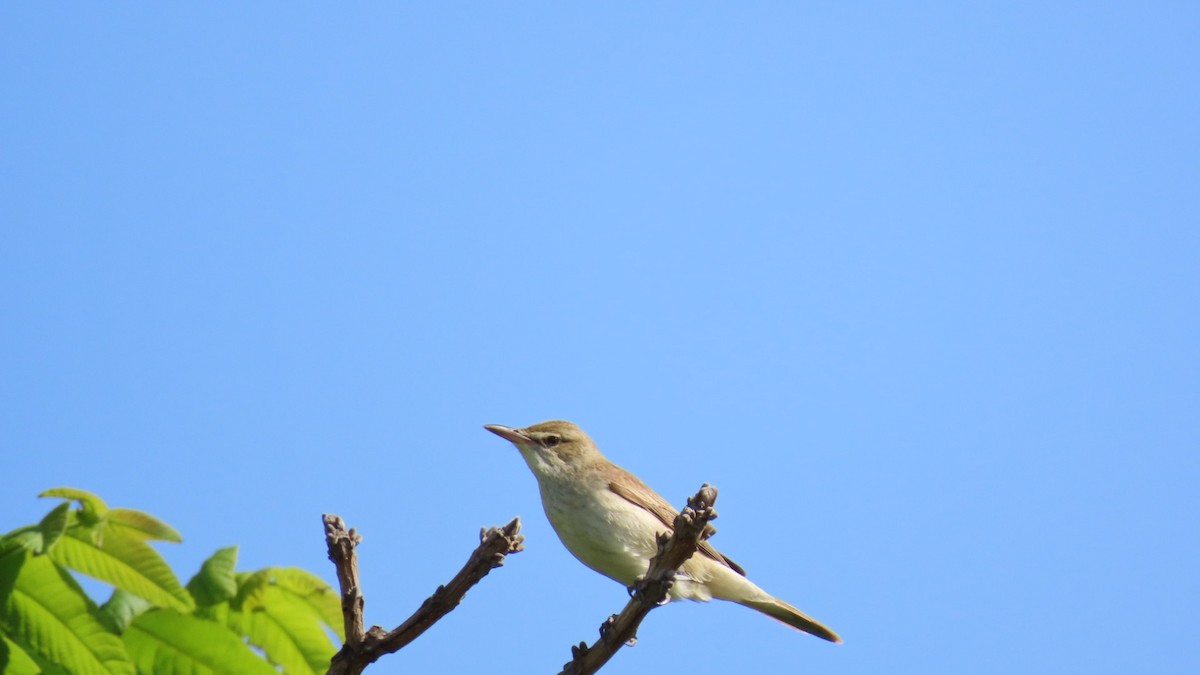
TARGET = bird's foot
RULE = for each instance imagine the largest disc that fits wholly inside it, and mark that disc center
(606, 629)
(656, 590)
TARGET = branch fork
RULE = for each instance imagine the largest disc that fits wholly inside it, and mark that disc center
(363, 647)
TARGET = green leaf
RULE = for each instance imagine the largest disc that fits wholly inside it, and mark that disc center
(218, 612)
(29, 537)
(143, 525)
(16, 661)
(41, 665)
(44, 609)
(313, 591)
(165, 642)
(53, 526)
(93, 506)
(215, 582)
(123, 607)
(288, 630)
(250, 588)
(281, 610)
(126, 563)
(307, 586)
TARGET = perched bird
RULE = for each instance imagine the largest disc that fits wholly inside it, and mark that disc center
(608, 519)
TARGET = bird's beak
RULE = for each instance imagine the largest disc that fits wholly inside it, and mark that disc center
(508, 433)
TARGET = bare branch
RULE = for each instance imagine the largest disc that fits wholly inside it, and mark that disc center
(362, 649)
(342, 544)
(691, 528)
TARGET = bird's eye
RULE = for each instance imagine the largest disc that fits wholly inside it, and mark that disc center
(551, 440)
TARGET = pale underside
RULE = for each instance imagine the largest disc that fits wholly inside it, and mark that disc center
(614, 534)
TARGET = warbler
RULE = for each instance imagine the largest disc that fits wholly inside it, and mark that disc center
(609, 520)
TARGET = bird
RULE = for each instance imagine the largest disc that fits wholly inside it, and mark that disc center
(609, 520)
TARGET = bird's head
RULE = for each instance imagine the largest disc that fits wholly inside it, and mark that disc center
(550, 447)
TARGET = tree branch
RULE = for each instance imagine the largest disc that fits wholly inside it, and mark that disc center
(342, 544)
(691, 528)
(364, 648)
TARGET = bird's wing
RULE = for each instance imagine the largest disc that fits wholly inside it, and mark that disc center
(640, 494)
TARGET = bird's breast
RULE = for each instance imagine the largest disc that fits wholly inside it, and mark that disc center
(602, 530)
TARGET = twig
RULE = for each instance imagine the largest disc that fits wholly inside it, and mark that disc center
(364, 648)
(342, 544)
(691, 528)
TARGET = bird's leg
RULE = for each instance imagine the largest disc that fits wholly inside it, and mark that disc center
(606, 628)
(656, 590)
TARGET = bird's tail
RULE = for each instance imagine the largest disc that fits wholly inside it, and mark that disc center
(727, 584)
(785, 613)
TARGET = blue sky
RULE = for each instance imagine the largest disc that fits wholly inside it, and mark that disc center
(914, 285)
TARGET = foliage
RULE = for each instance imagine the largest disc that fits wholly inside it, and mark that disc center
(271, 620)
